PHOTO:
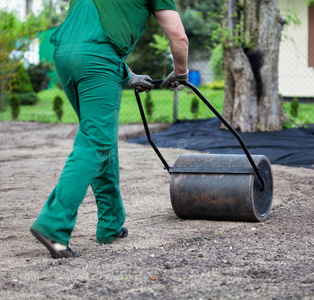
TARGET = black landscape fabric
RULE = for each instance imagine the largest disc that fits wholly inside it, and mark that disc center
(290, 147)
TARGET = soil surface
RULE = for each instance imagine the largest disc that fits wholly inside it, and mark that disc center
(163, 257)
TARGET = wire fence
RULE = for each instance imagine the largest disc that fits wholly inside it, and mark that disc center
(169, 106)
(296, 79)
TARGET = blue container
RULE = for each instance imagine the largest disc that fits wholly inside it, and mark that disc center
(195, 78)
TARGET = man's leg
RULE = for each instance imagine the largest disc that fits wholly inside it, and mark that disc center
(100, 119)
(58, 216)
(99, 109)
(111, 214)
(99, 97)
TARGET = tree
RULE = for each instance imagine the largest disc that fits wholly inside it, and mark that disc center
(251, 36)
(16, 36)
(54, 11)
(200, 19)
(207, 8)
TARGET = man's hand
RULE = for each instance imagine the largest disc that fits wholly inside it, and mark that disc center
(140, 82)
(173, 80)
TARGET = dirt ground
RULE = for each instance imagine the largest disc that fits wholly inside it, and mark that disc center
(163, 257)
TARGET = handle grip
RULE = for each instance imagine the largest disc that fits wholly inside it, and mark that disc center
(156, 81)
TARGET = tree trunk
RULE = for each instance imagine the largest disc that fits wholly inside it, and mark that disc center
(252, 101)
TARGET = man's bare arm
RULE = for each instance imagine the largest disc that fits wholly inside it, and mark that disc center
(170, 23)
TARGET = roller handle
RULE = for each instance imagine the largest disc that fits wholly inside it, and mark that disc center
(140, 106)
(217, 114)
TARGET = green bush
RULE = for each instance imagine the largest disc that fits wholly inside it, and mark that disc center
(15, 106)
(38, 75)
(216, 63)
(21, 82)
(149, 106)
(28, 98)
(294, 107)
(195, 107)
(216, 85)
(57, 107)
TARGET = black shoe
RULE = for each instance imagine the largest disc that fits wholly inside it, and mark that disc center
(124, 233)
(56, 250)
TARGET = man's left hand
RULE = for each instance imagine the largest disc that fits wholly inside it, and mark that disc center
(174, 80)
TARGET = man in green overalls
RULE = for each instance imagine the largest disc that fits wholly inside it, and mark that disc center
(91, 46)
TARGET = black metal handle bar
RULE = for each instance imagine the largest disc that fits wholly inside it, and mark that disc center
(217, 114)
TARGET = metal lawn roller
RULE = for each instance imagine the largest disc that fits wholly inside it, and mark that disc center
(217, 186)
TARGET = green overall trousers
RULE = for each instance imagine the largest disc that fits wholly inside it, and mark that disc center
(93, 76)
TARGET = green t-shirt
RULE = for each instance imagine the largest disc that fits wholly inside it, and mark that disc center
(123, 21)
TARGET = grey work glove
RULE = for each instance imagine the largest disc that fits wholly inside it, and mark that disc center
(173, 80)
(140, 82)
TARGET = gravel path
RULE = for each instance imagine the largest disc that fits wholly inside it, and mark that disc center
(164, 257)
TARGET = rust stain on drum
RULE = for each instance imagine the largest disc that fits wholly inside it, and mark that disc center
(221, 201)
(175, 186)
(204, 198)
(200, 199)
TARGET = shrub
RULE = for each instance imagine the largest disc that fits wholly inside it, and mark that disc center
(15, 106)
(57, 107)
(216, 63)
(28, 98)
(38, 75)
(294, 107)
(216, 85)
(149, 105)
(195, 107)
(21, 82)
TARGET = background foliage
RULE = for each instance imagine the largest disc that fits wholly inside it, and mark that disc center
(16, 37)
(150, 56)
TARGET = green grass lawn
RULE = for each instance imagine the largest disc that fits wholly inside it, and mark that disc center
(163, 107)
(305, 114)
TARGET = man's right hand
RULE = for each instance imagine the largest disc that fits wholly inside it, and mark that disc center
(140, 82)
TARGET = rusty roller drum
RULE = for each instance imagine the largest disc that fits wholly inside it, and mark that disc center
(217, 187)
(220, 187)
